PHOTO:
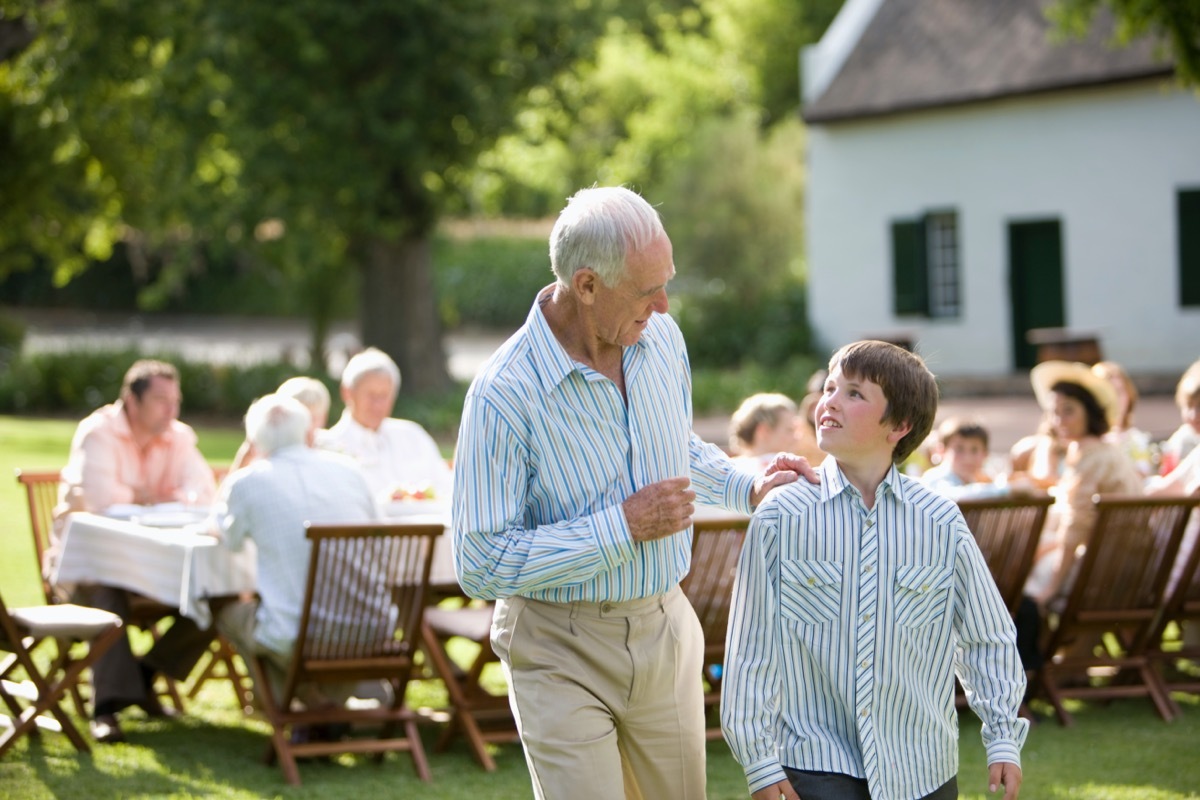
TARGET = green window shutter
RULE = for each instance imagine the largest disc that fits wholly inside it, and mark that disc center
(910, 280)
(1189, 247)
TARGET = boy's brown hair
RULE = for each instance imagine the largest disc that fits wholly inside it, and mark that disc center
(908, 385)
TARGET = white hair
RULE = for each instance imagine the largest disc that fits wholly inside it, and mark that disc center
(277, 421)
(368, 362)
(598, 229)
(309, 391)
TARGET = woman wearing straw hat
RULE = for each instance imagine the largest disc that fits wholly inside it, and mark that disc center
(1081, 407)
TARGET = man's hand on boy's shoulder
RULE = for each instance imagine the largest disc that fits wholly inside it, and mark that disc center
(783, 469)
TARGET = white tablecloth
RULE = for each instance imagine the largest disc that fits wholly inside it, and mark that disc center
(181, 567)
(441, 573)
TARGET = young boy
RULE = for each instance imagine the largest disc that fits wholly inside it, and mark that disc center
(963, 448)
(854, 600)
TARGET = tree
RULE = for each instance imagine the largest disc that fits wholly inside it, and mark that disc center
(1176, 22)
(338, 127)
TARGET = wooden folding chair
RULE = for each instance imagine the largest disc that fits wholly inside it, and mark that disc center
(363, 604)
(716, 546)
(478, 714)
(20, 631)
(220, 663)
(1181, 607)
(41, 492)
(1007, 530)
(1098, 646)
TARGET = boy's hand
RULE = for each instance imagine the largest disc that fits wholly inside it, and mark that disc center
(778, 791)
(1007, 775)
(784, 468)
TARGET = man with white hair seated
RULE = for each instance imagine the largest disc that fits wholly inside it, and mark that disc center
(399, 458)
(269, 501)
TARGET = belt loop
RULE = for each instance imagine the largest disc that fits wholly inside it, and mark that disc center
(571, 617)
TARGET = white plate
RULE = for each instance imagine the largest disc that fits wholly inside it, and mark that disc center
(170, 519)
(124, 510)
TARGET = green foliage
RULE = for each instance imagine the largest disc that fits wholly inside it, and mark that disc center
(1174, 22)
(76, 383)
(489, 281)
(734, 210)
(719, 391)
(12, 335)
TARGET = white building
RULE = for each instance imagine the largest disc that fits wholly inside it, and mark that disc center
(971, 180)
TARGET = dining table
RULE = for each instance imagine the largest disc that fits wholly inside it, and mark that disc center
(167, 556)
(442, 577)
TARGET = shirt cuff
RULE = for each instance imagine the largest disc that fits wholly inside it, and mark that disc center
(1004, 750)
(612, 534)
(762, 774)
(737, 492)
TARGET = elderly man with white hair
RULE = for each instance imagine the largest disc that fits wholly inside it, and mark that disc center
(269, 502)
(399, 458)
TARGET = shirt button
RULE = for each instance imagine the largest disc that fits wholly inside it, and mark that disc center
(866, 617)
(865, 663)
(870, 522)
(868, 568)
(864, 713)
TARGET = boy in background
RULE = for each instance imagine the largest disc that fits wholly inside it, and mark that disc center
(962, 450)
(854, 601)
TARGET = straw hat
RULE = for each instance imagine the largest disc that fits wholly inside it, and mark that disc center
(1048, 373)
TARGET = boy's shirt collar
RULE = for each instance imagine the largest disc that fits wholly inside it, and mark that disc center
(834, 482)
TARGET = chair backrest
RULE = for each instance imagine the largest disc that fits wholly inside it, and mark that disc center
(364, 597)
(716, 545)
(1122, 576)
(1183, 598)
(41, 492)
(1007, 530)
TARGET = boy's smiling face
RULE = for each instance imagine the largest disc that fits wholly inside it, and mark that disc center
(850, 419)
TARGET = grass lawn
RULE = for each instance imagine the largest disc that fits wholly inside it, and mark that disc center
(1118, 751)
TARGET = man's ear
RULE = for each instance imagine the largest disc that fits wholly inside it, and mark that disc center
(345, 393)
(584, 284)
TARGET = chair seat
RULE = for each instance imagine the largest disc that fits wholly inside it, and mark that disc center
(66, 621)
(469, 623)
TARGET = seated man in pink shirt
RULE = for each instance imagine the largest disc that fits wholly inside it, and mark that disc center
(136, 451)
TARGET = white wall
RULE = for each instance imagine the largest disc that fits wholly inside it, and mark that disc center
(1107, 162)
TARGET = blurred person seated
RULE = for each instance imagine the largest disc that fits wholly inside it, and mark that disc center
(312, 394)
(766, 424)
(135, 451)
(1038, 459)
(1081, 406)
(1187, 435)
(960, 452)
(1134, 443)
(398, 457)
(269, 501)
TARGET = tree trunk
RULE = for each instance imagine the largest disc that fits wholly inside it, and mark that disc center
(400, 312)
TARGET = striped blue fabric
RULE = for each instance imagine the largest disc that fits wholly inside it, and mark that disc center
(548, 449)
(847, 628)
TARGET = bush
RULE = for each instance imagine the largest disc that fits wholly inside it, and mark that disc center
(489, 281)
(77, 383)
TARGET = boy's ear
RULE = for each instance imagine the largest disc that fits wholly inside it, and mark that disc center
(899, 431)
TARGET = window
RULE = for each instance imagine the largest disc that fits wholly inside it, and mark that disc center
(1188, 207)
(925, 265)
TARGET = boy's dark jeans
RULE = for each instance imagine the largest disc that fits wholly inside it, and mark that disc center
(836, 786)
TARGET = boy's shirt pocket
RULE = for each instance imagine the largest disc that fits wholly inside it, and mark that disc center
(810, 591)
(921, 593)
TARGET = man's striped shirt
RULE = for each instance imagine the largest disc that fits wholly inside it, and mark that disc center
(548, 450)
